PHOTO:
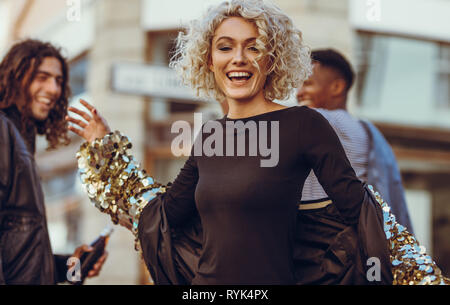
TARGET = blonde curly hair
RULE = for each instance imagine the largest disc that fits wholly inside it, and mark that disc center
(290, 61)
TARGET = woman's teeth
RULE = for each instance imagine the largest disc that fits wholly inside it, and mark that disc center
(239, 75)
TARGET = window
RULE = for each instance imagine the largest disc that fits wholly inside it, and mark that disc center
(443, 77)
(403, 79)
(78, 73)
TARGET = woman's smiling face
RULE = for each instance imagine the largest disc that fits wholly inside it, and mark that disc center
(233, 51)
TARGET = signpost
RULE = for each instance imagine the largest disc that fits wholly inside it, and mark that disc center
(150, 80)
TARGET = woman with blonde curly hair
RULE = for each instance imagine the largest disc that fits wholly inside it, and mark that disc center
(277, 41)
(229, 218)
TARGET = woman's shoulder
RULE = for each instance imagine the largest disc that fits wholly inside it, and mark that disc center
(303, 113)
(300, 109)
(308, 121)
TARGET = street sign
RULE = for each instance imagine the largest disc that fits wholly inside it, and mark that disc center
(149, 80)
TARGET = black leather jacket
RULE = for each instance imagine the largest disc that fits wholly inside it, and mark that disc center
(25, 252)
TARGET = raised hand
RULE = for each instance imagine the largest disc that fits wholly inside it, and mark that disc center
(94, 127)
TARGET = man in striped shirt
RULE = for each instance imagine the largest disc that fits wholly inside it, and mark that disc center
(326, 91)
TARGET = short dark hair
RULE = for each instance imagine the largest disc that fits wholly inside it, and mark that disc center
(335, 60)
(17, 70)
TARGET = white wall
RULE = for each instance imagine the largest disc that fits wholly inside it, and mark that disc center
(419, 18)
(172, 14)
(75, 35)
(4, 25)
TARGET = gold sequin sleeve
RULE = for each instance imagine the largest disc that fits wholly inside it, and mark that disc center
(410, 263)
(114, 181)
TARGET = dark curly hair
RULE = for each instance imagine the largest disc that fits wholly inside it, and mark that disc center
(336, 61)
(17, 71)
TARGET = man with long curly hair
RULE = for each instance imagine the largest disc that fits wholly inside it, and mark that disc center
(34, 91)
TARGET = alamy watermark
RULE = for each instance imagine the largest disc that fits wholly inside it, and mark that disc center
(256, 134)
(374, 272)
(73, 10)
(74, 269)
(373, 13)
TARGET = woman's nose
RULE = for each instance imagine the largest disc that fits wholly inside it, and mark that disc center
(239, 57)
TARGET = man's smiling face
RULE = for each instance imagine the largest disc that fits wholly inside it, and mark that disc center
(46, 87)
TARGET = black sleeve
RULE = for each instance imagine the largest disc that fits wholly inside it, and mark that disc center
(323, 151)
(179, 201)
(173, 210)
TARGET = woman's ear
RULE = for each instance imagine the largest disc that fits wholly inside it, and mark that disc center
(210, 64)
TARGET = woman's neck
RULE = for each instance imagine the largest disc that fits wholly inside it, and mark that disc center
(246, 108)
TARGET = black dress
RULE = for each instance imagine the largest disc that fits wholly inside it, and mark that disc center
(248, 212)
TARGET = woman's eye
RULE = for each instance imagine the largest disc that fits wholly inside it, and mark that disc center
(224, 48)
(253, 49)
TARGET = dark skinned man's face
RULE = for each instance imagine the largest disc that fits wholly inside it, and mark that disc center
(317, 90)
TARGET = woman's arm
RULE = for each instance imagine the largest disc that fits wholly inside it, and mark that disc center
(115, 181)
(323, 151)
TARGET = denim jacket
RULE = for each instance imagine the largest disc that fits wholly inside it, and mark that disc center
(385, 176)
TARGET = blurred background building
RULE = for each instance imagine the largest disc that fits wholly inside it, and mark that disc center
(119, 53)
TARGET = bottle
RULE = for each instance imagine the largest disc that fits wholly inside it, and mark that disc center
(88, 259)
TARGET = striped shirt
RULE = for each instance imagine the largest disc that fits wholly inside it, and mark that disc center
(355, 141)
